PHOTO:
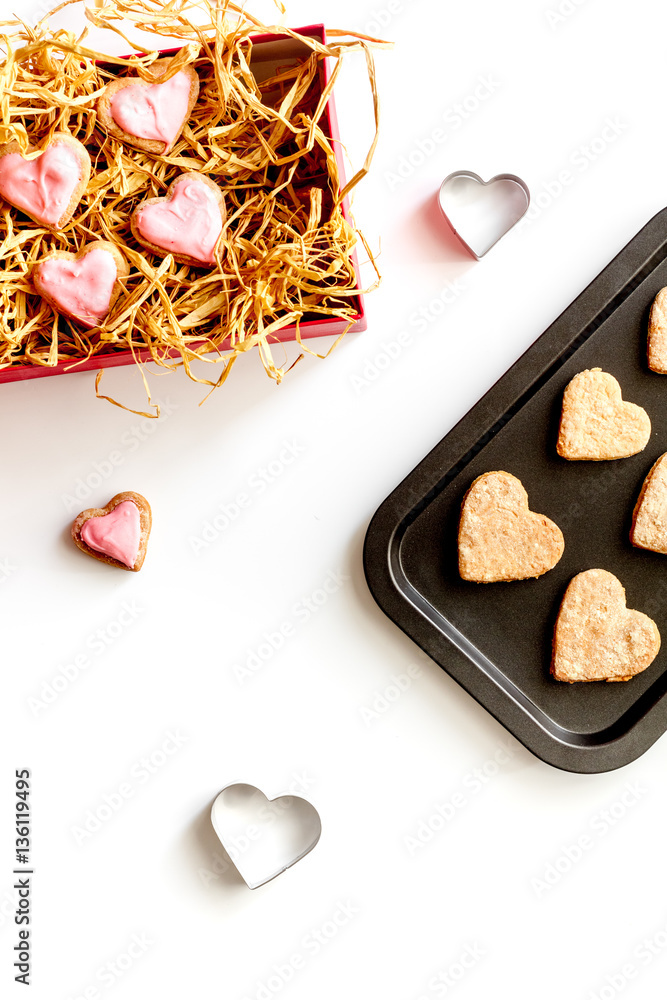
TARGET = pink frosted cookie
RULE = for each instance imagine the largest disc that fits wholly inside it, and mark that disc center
(48, 188)
(186, 223)
(116, 534)
(150, 116)
(82, 286)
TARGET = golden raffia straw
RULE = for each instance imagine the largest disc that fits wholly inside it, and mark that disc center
(285, 253)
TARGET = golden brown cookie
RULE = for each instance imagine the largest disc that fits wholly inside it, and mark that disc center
(49, 187)
(82, 286)
(500, 539)
(116, 534)
(596, 424)
(149, 115)
(597, 638)
(657, 334)
(649, 518)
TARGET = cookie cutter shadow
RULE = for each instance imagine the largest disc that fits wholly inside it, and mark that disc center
(222, 874)
(437, 243)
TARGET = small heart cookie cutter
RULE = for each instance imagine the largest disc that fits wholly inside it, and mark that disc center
(263, 837)
(482, 212)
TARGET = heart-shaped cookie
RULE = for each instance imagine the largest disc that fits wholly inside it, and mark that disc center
(597, 638)
(657, 334)
(82, 286)
(186, 223)
(649, 518)
(263, 837)
(49, 187)
(116, 534)
(500, 538)
(149, 116)
(596, 424)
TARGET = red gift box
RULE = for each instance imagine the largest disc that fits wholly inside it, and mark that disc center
(268, 50)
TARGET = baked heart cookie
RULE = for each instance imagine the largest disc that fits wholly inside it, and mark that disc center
(500, 539)
(82, 286)
(596, 424)
(116, 534)
(657, 334)
(149, 116)
(187, 222)
(48, 188)
(649, 518)
(597, 638)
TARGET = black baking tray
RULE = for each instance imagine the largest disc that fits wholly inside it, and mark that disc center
(495, 639)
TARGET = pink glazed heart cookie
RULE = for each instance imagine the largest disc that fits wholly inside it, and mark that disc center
(116, 534)
(82, 286)
(186, 223)
(48, 188)
(150, 116)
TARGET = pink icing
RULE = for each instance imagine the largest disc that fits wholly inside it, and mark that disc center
(188, 222)
(42, 187)
(81, 288)
(116, 534)
(153, 110)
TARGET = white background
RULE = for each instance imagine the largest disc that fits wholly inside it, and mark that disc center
(357, 425)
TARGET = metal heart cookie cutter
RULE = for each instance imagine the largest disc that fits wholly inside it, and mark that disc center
(263, 837)
(482, 212)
